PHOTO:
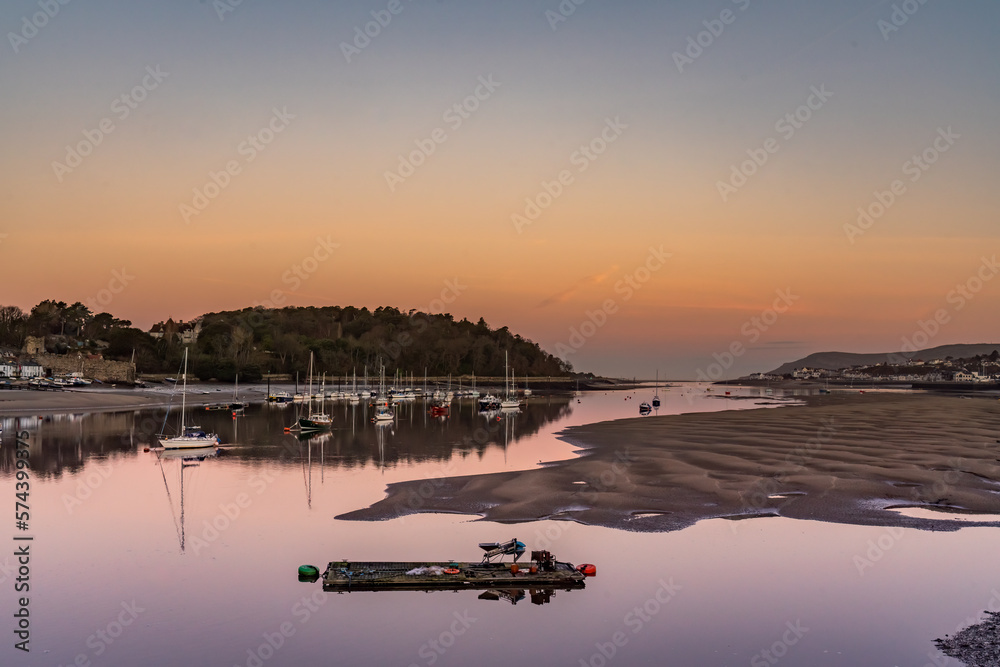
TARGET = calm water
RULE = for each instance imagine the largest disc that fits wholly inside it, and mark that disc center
(126, 571)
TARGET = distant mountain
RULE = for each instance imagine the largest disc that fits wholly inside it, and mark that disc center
(836, 360)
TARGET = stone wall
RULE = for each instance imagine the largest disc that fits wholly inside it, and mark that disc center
(34, 345)
(97, 369)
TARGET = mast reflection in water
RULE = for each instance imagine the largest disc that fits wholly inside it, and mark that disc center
(63, 443)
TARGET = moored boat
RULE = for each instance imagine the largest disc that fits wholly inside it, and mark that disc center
(542, 571)
(191, 437)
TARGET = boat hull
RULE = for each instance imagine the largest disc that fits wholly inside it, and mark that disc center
(315, 423)
(189, 442)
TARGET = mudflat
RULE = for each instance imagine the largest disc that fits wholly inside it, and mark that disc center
(17, 403)
(846, 458)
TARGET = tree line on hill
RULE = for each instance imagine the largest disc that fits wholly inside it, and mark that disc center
(254, 341)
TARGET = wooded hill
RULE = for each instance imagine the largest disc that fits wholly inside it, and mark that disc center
(252, 341)
(255, 341)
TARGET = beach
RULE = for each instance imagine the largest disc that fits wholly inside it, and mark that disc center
(892, 459)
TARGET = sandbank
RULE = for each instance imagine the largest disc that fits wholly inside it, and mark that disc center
(860, 459)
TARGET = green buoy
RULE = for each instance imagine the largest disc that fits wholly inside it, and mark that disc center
(308, 571)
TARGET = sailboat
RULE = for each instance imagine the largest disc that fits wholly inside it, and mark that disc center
(353, 397)
(191, 437)
(509, 401)
(237, 406)
(656, 391)
(382, 411)
(316, 421)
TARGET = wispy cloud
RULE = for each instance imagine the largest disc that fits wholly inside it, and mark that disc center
(587, 281)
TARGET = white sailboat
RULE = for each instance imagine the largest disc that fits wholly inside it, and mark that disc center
(382, 411)
(354, 397)
(316, 421)
(509, 401)
(190, 437)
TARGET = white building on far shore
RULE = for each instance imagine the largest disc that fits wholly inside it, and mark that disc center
(14, 369)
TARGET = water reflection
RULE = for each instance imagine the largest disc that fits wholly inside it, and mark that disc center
(63, 443)
(184, 459)
(111, 526)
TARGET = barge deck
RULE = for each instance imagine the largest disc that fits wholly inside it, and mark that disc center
(424, 576)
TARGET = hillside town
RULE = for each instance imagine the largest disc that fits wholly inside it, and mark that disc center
(978, 370)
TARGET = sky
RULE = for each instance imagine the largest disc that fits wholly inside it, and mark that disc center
(703, 189)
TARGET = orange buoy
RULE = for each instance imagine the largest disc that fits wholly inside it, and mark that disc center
(533, 569)
(514, 569)
(587, 569)
(451, 570)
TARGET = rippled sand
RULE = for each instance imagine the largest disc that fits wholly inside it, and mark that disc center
(847, 458)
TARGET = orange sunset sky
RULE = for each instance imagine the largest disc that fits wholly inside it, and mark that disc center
(690, 162)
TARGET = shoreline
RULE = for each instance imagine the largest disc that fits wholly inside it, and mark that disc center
(26, 403)
(841, 458)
